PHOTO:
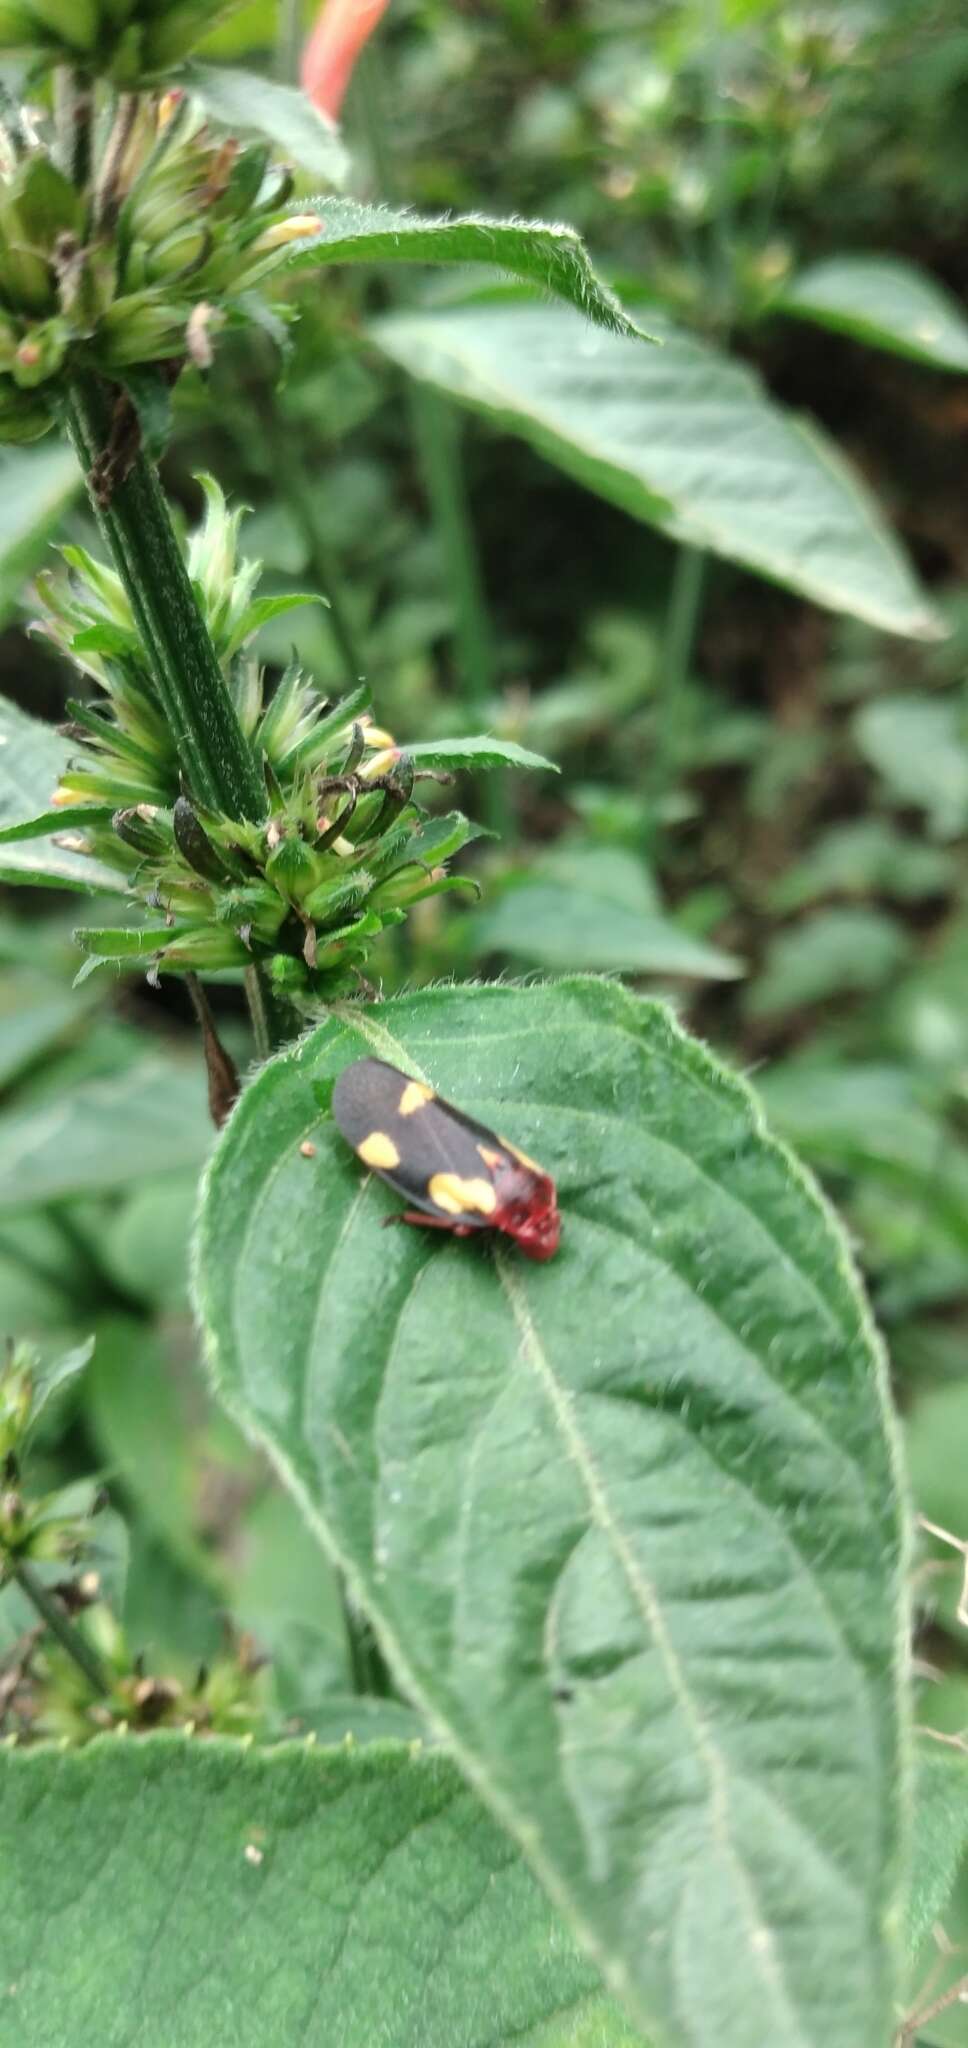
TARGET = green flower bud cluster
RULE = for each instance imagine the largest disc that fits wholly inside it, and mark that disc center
(230, 1697)
(343, 849)
(146, 267)
(127, 41)
(52, 1544)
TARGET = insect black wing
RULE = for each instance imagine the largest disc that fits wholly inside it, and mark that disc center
(443, 1161)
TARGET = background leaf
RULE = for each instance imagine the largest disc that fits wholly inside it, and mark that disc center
(627, 1523)
(316, 1898)
(32, 757)
(37, 486)
(867, 1116)
(594, 908)
(940, 1835)
(104, 1133)
(832, 952)
(920, 748)
(140, 1431)
(35, 1014)
(541, 252)
(886, 302)
(248, 105)
(680, 437)
(481, 751)
(866, 856)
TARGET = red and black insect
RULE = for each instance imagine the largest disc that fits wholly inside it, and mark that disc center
(458, 1175)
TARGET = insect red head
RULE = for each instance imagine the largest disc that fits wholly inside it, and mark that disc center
(533, 1222)
(539, 1235)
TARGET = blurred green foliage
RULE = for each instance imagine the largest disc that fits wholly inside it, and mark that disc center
(779, 842)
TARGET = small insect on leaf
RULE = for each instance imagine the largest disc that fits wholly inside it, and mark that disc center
(457, 1174)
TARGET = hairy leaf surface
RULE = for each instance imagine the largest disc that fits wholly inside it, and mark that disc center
(168, 1889)
(37, 486)
(627, 1522)
(32, 757)
(541, 252)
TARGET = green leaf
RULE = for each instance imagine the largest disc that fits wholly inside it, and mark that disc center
(864, 1117)
(627, 1523)
(141, 1430)
(37, 487)
(541, 252)
(105, 1133)
(72, 818)
(145, 1246)
(867, 856)
(482, 751)
(285, 1594)
(124, 942)
(680, 437)
(834, 952)
(32, 757)
(940, 1836)
(294, 1898)
(581, 912)
(39, 1280)
(886, 302)
(58, 1372)
(919, 746)
(364, 1718)
(928, 1017)
(936, 1439)
(249, 105)
(35, 1014)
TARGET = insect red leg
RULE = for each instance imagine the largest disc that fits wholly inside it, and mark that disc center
(425, 1222)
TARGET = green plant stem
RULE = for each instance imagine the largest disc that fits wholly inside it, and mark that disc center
(437, 445)
(53, 1615)
(721, 281)
(289, 32)
(436, 434)
(272, 1019)
(325, 572)
(217, 762)
(682, 620)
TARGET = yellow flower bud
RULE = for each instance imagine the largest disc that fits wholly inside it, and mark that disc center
(297, 227)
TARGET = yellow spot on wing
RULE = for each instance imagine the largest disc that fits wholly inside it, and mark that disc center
(448, 1191)
(379, 1150)
(414, 1096)
(491, 1158)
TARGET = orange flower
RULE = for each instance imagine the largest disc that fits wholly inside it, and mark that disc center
(340, 31)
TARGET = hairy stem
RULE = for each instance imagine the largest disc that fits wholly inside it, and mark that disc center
(273, 1023)
(217, 762)
(52, 1614)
